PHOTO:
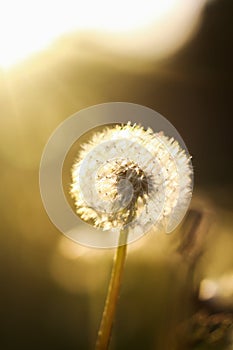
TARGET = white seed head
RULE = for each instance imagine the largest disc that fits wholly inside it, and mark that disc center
(126, 176)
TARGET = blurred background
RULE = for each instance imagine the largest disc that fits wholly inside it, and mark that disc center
(174, 56)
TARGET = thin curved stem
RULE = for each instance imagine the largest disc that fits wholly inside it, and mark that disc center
(108, 316)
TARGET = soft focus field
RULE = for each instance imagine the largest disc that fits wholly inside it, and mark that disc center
(52, 290)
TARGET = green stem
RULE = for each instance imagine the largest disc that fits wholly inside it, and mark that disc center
(108, 316)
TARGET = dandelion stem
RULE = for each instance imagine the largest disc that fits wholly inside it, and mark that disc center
(105, 329)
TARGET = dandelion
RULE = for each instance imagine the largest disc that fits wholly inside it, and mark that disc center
(126, 180)
(129, 179)
(126, 176)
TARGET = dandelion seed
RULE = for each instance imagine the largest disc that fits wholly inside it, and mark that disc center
(126, 176)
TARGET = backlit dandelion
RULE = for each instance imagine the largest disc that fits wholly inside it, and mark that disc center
(126, 180)
(126, 176)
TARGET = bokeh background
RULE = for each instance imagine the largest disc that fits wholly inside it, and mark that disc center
(56, 58)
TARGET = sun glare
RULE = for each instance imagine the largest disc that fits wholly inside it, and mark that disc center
(27, 27)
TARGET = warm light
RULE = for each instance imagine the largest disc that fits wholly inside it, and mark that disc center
(71, 250)
(208, 289)
(27, 26)
(222, 288)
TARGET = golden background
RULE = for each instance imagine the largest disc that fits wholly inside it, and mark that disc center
(52, 290)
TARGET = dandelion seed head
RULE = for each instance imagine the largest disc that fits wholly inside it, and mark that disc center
(126, 176)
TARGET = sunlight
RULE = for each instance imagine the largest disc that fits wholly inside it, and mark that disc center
(27, 27)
